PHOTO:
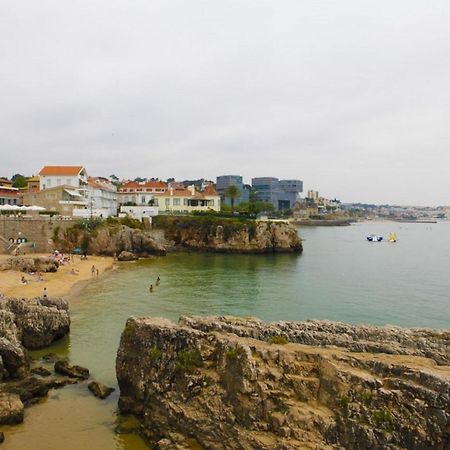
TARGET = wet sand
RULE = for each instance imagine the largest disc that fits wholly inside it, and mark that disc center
(63, 283)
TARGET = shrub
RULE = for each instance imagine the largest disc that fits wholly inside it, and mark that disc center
(344, 401)
(382, 418)
(234, 353)
(155, 353)
(189, 360)
(55, 235)
(367, 397)
(278, 340)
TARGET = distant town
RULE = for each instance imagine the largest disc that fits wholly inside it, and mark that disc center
(70, 192)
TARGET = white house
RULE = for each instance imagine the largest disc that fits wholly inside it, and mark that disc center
(102, 196)
(185, 200)
(52, 176)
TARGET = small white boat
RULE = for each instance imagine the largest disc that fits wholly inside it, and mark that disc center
(374, 238)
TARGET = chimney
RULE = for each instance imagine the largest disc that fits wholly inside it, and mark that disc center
(192, 189)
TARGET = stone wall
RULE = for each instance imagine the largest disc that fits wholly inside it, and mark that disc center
(38, 230)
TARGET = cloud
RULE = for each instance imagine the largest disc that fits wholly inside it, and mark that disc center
(350, 97)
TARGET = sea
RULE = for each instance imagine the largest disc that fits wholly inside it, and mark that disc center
(339, 276)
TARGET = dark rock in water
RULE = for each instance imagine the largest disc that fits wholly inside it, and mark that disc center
(28, 389)
(41, 371)
(100, 390)
(11, 409)
(58, 383)
(2, 437)
(50, 357)
(127, 256)
(64, 368)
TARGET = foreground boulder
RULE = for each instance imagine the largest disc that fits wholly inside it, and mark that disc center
(11, 409)
(226, 383)
(28, 324)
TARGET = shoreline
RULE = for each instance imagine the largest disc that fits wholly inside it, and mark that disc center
(59, 284)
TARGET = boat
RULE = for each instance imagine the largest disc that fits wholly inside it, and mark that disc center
(392, 237)
(374, 238)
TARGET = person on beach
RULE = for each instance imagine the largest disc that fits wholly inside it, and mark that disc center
(93, 270)
(23, 280)
(45, 293)
(151, 288)
(158, 280)
(97, 273)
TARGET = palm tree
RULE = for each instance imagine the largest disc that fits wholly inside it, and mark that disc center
(232, 192)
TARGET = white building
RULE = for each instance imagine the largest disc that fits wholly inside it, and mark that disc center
(53, 176)
(102, 197)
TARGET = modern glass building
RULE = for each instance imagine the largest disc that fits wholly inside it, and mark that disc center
(281, 193)
(222, 184)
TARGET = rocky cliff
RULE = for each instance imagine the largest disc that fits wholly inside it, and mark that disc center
(229, 235)
(110, 241)
(28, 324)
(222, 383)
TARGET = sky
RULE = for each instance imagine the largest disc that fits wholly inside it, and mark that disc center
(351, 96)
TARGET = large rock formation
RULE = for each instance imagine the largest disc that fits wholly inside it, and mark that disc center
(230, 235)
(114, 240)
(30, 264)
(222, 383)
(28, 324)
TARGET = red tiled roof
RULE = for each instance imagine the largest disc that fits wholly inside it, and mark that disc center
(209, 190)
(61, 170)
(146, 184)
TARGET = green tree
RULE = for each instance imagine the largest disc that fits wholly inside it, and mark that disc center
(19, 181)
(259, 206)
(232, 192)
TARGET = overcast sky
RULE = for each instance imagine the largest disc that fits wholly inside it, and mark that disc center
(351, 96)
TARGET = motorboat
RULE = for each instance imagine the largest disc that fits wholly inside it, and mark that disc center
(374, 238)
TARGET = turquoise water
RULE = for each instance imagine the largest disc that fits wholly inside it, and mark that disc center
(339, 276)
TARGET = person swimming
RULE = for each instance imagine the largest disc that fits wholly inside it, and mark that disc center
(151, 288)
(158, 280)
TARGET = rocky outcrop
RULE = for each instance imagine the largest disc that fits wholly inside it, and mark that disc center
(28, 324)
(30, 264)
(127, 256)
(100, 390)
(115, 240)
(11, 409)
(230, 235)
(223, 383)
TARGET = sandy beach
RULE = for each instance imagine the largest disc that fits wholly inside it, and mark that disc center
(63, 283)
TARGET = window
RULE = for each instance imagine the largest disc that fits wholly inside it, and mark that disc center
(176, 202)
(185, 203)
(167, 201)
(58, 182)
(49, 182)
(211, 202)
(143, 199)
(68, 181)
